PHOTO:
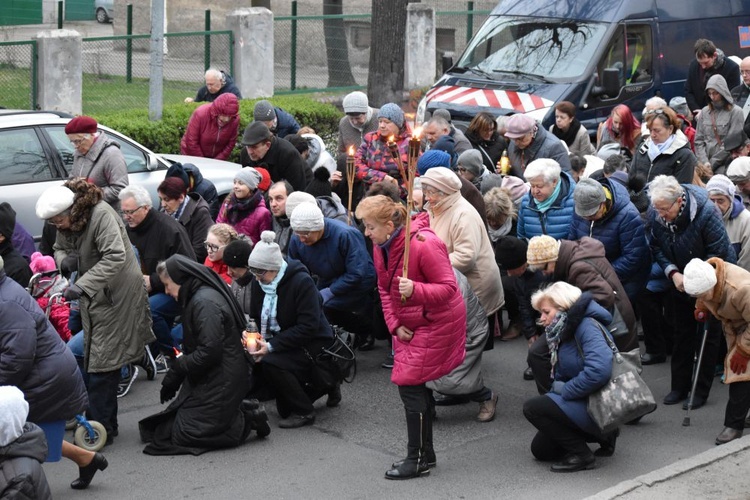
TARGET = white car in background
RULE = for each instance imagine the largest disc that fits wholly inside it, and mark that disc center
(35, 153)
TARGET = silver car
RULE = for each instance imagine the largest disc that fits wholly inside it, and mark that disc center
(35, 153)
(104, 10)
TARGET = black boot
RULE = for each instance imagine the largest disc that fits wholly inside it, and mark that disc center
(429, 450)
(414, 465)
(255, 418)
(86, 474)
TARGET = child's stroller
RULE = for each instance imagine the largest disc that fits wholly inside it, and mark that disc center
(47, 288)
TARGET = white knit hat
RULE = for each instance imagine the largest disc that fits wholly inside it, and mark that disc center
(295, 199)
(699, 277)
(266, 254)
(307, 217)
(356, 102)
(54, 201)
(542, 249)
(13, 412)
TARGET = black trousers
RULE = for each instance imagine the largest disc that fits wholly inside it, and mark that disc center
(655, 310)
(558, 435)
(511, 299)
(540, 363)
(102, 389)
(290, 394)
(359, 323)
(686, 344)
(738, 405)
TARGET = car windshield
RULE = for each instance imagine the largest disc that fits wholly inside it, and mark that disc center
(547, 49)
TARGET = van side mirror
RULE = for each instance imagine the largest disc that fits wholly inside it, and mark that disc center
(447, 61)
(611, 82)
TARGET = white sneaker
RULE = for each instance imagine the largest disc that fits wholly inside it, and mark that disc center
(126, 383)
(162, 365)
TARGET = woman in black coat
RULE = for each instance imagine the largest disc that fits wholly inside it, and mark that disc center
(289, 309)
(212, 374)
(483, 136)
(36, 360)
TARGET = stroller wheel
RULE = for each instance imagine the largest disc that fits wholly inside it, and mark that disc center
(93, 441)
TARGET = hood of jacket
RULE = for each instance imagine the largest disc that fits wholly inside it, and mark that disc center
(293, 268)
(31, 444)
(226, 104)
(193, 172)
(737, 207)
(719, 84)
(584, 307)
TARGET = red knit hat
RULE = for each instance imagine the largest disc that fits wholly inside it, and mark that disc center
(81, 125)
(265, 182)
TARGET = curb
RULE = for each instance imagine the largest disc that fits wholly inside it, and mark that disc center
(674, 470)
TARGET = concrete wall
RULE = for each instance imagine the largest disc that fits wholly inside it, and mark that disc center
(60, 78)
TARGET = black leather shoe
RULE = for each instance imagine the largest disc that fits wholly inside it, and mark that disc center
(448, 400)
(747, 422)
(674, 397)
(653, 359)
(367, 344)
(334, 397)
(728, 434)
(574, 463)
(607, 448)
(294, 421)
(86, 474)
(697, 403)
(528, 374)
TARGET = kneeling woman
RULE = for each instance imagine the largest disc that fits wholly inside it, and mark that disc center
(425, 314)
(289, 309)
(582, 363)
(212, 374)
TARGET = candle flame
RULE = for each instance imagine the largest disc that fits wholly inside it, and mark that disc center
(417, 133)
(391, 139)
(351, 150)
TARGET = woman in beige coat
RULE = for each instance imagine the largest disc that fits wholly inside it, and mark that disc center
(460, 227)
(723, 290)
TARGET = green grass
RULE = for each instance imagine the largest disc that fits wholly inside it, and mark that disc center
(15, 87)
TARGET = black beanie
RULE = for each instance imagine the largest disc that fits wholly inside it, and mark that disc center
(177, 170)
(7, 220)
(510, 252)
(320, 185)
(237, 253)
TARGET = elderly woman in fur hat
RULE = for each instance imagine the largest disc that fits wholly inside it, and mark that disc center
(723, 290)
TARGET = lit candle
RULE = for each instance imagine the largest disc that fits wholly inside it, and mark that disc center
(350, 174)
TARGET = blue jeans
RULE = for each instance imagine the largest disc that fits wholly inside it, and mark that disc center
(164, 309)
(75, 344)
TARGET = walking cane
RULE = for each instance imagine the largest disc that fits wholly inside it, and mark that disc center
(696, 369)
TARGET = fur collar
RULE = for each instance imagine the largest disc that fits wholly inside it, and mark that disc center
(576, 315)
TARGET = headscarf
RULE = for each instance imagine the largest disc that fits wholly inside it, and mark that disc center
(269, 325)
(191, 275)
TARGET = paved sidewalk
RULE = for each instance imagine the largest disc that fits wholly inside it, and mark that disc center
(719, 473)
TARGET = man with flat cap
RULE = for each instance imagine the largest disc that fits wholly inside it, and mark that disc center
(282, 160)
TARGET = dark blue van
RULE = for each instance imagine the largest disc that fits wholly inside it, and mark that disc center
(530, 54)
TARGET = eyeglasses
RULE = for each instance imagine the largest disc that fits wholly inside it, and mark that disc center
(745, 71)
(258, 273)
(662, 211)
(78, 142)
(211, 247)
(430, 192)
(56, 221)
(129, 213)
(303, 234)
(658, 111)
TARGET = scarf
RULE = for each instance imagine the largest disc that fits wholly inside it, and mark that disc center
(655, 150)
(504, 230)
(567, 135)
(269, 326)
(552, 333)
(239, 209)
(545, 205)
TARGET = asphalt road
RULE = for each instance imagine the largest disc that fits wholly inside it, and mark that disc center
(345, 453)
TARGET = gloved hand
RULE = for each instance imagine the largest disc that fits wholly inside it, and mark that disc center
(73, 292)
(557, 387)
(738, 362)
(169, 386)
(69, 264)
(701, 315)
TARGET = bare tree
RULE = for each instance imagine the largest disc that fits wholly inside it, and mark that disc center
(385, 82)
(337, 50)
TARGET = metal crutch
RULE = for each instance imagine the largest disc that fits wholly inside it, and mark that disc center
(696, 370)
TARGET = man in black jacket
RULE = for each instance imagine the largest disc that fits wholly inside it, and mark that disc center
(741, 92)
(156, 237)
(282, 160)
(708, 61)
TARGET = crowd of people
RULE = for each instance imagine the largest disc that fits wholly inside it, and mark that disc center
(641, 233)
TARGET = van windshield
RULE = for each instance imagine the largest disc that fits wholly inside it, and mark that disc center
(547, 49)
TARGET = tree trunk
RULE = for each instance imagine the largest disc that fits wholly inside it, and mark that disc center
(337, 50)
(261, 3)
(385, 81)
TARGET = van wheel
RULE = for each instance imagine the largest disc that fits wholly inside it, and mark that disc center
(101, 15)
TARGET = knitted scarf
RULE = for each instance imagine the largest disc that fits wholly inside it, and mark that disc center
(552, 334)
(269, 326)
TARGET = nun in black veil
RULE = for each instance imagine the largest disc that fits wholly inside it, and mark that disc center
(212, 374)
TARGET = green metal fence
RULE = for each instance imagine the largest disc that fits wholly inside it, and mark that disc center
(116, 69)
(18, 75)
(315, 53)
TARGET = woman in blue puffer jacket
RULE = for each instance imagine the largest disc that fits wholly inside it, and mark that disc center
(581, 364)
(548, 208)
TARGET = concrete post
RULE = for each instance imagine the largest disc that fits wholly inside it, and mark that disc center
(59, 70)
(253, 51)
(420, 59)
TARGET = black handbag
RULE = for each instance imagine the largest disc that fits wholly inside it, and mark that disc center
(626, 396)
(338, 360)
